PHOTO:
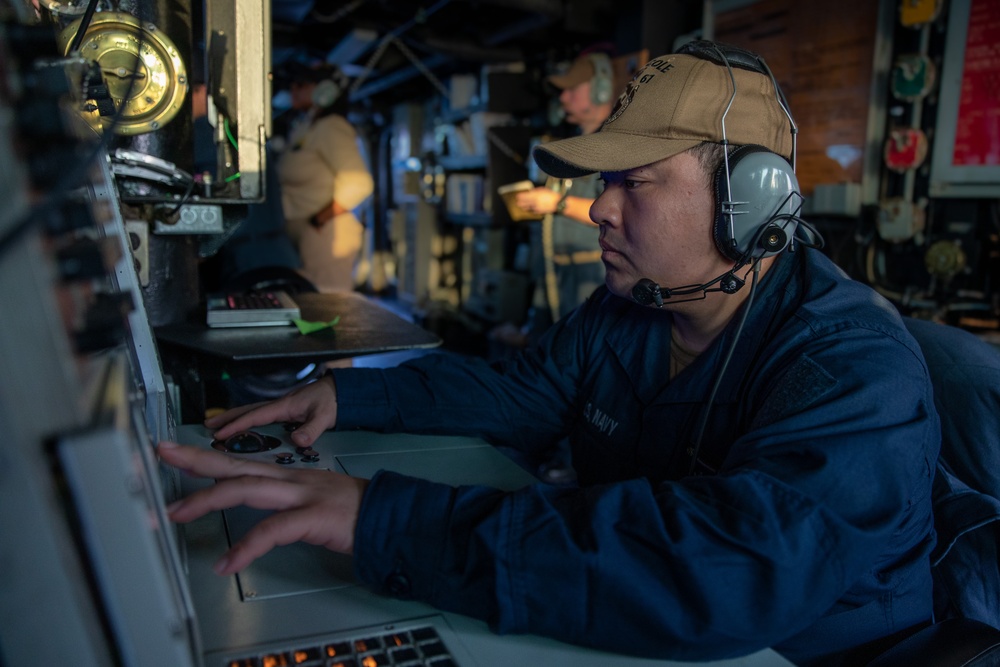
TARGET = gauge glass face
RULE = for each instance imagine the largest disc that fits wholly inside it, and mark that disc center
(141, 67)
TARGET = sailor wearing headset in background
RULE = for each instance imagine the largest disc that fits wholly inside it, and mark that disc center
(754, 456)
(567, 260)
(324, 177)
(587, 91)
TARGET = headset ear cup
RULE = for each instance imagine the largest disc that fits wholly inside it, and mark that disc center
(773, 239)
(602, 83)
(765, 193)
(325, 93)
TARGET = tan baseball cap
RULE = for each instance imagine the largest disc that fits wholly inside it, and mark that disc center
(673, 103)
(581, 70)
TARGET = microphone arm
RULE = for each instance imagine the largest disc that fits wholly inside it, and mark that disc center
(646, 292)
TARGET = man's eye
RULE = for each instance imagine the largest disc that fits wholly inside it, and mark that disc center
(630, 184)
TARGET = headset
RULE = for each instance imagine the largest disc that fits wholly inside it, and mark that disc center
(602, 84)
(757, 196)
(329, 90)
(757, 202)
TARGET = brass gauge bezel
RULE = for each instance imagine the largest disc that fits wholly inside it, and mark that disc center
(125, 48)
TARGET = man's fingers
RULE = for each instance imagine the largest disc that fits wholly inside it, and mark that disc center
(210, 463)
(265, 493)
(306, 434)
(259, 414)
(314, 405)
(315, 506)
(276, 530)
(224, 418)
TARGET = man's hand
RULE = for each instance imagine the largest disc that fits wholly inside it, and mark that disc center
(314, 406)
(326, 214)
(314, 506)
(538, 200)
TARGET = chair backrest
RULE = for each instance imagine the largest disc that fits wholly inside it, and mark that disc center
(965, 372)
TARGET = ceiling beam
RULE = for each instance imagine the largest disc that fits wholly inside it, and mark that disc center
(357, 42)
(398, 76)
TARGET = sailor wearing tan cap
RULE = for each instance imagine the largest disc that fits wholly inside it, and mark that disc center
(587, 90)
(754, 456)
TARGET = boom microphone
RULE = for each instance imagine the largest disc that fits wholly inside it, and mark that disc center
(646, 292)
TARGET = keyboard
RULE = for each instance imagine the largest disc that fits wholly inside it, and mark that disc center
(252, 309)
(414, 647)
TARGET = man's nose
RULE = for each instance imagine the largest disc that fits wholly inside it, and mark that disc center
(603, 211)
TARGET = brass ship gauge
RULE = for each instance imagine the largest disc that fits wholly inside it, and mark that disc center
(141, 67)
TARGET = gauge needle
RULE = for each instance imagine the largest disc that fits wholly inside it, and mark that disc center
(124, 73)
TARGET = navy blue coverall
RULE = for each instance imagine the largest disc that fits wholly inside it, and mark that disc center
(806, 526)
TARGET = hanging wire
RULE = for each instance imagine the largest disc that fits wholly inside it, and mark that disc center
(88, 16)
(232, 140)
(183, 200)
(504, 147)
(707, 409)
(420, 17)
(372, 61)
(421, 67)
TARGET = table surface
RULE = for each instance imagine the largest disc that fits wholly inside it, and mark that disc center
(364, 328)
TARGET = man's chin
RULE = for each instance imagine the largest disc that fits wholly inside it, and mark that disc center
(619, 286)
